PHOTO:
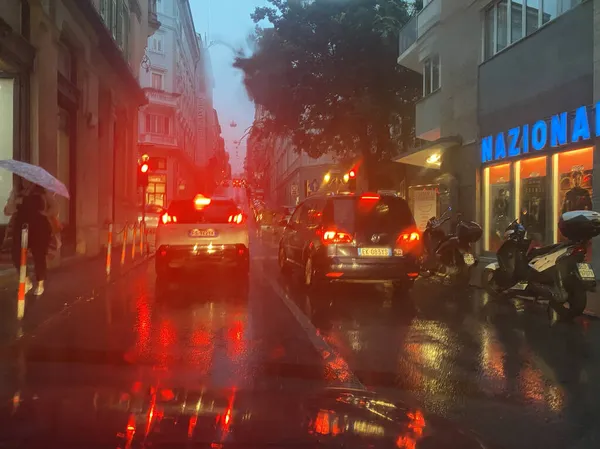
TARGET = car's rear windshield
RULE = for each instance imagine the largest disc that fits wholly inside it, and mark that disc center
(388, 214)
(218, 211)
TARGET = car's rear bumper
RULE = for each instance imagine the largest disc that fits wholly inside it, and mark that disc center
(189, 257)
(361, 269)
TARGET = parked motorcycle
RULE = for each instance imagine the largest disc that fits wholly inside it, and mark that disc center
(450, 255)
(557, 273)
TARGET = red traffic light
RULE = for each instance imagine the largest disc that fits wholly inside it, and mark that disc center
(144, 168)
(352, 174)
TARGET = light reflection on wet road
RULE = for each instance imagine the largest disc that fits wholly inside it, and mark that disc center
(497, 368)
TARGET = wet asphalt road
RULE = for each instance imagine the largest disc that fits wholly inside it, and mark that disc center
(496, 368)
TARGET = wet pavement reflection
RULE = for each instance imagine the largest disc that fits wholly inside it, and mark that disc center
(497, 368)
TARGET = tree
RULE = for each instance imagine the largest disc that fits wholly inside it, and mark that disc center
(326, 75)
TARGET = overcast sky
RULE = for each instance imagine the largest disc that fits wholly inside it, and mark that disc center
(228, 21)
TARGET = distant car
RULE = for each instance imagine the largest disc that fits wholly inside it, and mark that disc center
(202, 233)
(152, 217)
(350, 237)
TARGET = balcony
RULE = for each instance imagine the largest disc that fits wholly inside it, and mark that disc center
(416, 28)
(153, 22)
(157, 139)
(428, 118)
(161, 97)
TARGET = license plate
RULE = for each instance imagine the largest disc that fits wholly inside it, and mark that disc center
(374, 252)
(203, 233)
(469, 259)
(585, 271)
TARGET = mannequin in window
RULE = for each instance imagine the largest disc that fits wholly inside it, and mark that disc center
(577, 198)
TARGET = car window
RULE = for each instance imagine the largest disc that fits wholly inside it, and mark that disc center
(314, 213)
(218, 211)
(388, 214)
(296, 216)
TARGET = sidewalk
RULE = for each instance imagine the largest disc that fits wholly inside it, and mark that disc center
(593, 298)
(76, 278)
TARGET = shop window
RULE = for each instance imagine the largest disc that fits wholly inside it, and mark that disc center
(531, 189)
(498, 204)
(572, 183)
(7, 105)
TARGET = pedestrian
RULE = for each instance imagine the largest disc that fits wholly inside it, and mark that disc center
(30, 204)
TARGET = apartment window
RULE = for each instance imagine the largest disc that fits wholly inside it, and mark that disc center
(157, 81)
(508, 21)
(158, 124)
(156, 43)
(431, 74)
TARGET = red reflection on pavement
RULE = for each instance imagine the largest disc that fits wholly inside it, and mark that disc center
(322, 422)
(143, 324)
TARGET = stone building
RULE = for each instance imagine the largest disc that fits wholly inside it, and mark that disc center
(69, 96)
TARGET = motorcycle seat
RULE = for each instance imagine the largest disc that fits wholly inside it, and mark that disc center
(536, 252)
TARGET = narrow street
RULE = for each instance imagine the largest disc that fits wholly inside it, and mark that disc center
(495, 368)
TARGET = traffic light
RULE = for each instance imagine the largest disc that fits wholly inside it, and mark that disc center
(142, 176)
(352, 180)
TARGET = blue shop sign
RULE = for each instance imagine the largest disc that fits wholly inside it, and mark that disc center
(561, 129)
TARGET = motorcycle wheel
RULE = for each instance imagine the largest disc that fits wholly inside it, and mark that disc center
(573, 307)
(488, 283)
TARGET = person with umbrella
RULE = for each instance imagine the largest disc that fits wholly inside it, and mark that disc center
(33, 206)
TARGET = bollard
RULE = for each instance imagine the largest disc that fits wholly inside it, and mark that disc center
(109, 249)
(133, 240)
(22, 273)
(142, 227)
(124, 248)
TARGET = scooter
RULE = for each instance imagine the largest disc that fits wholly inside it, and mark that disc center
(450, 255)
(557, 273)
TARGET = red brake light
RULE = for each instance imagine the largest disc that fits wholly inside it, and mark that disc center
(144, 168)
(409, 237)
(166, 218)
(336, 237)
(201, 201)
(410, 241)
(352, 174)
(236, 219)
(370, 196)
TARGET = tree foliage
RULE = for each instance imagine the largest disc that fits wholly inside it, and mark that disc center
(326, 74)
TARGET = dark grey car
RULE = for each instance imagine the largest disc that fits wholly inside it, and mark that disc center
(352, 238)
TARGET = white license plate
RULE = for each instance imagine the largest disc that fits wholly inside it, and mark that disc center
(469, 259)
(374, 252)
(585, 271)
(203, 233)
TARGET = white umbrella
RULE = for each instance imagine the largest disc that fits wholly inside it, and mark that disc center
(37, 175)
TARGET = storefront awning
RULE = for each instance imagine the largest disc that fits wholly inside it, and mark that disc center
(429, 155)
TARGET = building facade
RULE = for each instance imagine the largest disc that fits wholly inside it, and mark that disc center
(69, 95)
(175, 126)
(513, 85)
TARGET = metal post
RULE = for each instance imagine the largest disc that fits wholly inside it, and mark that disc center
(142, 227)
(133, 240)
(124, 248)
(109, 249)
(22, 272)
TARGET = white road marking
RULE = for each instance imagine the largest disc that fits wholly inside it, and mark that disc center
(333, 361)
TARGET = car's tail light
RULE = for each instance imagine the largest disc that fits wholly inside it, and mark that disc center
(236, 219)
(334, 236)
(166, 218)
(409, 241)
